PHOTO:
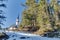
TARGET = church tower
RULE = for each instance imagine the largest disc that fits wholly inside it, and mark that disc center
(17, 21)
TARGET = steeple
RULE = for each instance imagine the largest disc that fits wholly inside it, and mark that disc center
(17, 20)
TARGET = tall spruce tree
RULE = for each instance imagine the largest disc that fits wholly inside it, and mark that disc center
(29, 15)
(2, 18)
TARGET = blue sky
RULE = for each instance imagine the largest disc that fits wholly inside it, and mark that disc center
(13, 8)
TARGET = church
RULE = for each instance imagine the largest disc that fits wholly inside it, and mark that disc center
(15, 26)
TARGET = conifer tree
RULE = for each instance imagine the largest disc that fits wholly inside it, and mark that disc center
(42, 14)
(29, 15)
(2, 18)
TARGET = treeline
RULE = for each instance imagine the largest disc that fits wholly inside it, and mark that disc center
(43, 14)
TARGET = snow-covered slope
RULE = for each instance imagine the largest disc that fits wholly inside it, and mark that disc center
(27, 36)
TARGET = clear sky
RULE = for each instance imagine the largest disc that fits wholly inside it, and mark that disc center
(13, 8)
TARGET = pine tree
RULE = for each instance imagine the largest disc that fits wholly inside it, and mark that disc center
(43, 17)
(57, 13)
(29, 15)
(2, 18)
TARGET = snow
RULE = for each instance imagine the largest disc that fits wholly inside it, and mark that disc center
(27, 36)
